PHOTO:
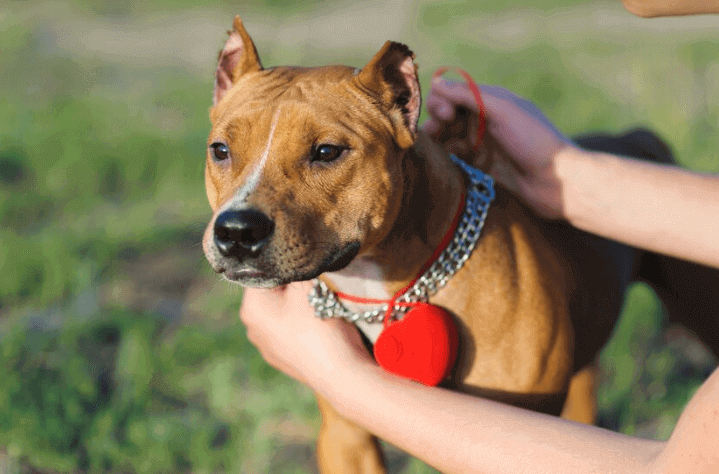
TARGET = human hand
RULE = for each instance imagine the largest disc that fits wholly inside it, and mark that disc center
(520, 144)
(281, 324)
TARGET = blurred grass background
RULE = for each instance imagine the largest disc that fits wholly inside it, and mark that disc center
(121, 352)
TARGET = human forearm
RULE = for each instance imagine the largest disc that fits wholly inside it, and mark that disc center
(458, 433)
(659, 208)
(655, 8)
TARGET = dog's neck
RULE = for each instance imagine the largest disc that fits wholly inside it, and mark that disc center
(432, 190)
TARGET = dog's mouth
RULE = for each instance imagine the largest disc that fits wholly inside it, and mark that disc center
(249, 277)
(242, 275)
(341, 258)
(254, 277)
(335, 261)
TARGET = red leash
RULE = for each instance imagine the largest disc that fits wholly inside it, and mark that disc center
(423, 346)
(474, 89)
(393, 301)
(450, 232)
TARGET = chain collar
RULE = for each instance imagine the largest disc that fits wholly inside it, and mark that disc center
(480, 195)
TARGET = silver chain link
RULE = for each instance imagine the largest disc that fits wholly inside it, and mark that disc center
(479, 197)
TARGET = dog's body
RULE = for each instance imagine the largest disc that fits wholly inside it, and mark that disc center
(322, 173)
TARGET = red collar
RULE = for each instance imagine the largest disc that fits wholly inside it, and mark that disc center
(392, 302)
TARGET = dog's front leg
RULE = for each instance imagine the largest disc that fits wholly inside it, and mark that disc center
(581, 403)
(344, 447)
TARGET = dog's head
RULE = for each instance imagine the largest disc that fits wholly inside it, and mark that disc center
(304, 165)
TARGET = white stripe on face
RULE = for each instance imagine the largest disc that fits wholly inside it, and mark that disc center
(254, 179)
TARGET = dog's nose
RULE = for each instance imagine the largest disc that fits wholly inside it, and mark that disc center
(242, 233)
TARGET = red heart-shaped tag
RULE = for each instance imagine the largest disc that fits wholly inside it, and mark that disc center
(422, 346)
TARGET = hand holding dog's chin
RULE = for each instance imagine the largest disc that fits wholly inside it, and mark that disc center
(283, 327)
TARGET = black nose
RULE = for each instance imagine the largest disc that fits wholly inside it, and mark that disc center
(242, 233)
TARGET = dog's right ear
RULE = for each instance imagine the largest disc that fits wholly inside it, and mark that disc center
(238, 57)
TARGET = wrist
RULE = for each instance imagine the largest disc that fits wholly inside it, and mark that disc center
(581, 173)
(343, 387)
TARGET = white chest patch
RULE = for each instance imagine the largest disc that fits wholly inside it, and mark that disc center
(370, 330)
(364, 279)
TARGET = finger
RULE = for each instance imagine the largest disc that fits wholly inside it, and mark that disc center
(350, 334)
(431, 126)
(252, 336)
(247, 306)
(499, 93)
(496, 100)
(457, 147)
(278, 364)
(500, 102)
(440, 107)
(341, 325)
(456, 93)
(296, 295)
(253, 302)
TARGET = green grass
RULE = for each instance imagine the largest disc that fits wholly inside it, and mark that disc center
(102, 205)
(126, 393)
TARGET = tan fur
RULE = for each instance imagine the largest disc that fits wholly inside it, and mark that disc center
(395, 192)
(581, 402)
(344, 447)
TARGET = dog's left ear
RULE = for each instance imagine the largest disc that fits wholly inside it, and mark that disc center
(238, 57)
(392, 76)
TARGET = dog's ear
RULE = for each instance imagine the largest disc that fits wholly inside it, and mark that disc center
(392, 76)
(238, 57)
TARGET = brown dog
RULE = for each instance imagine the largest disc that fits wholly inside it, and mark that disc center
(322, 172)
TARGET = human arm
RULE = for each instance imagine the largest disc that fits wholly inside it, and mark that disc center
(452, 431)
(660, 208)
(655, 8)
(655, 207)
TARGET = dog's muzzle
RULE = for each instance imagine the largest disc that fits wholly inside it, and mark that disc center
(242, 234)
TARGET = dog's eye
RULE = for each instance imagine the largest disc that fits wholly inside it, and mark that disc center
(220, 152)
(327, 153)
